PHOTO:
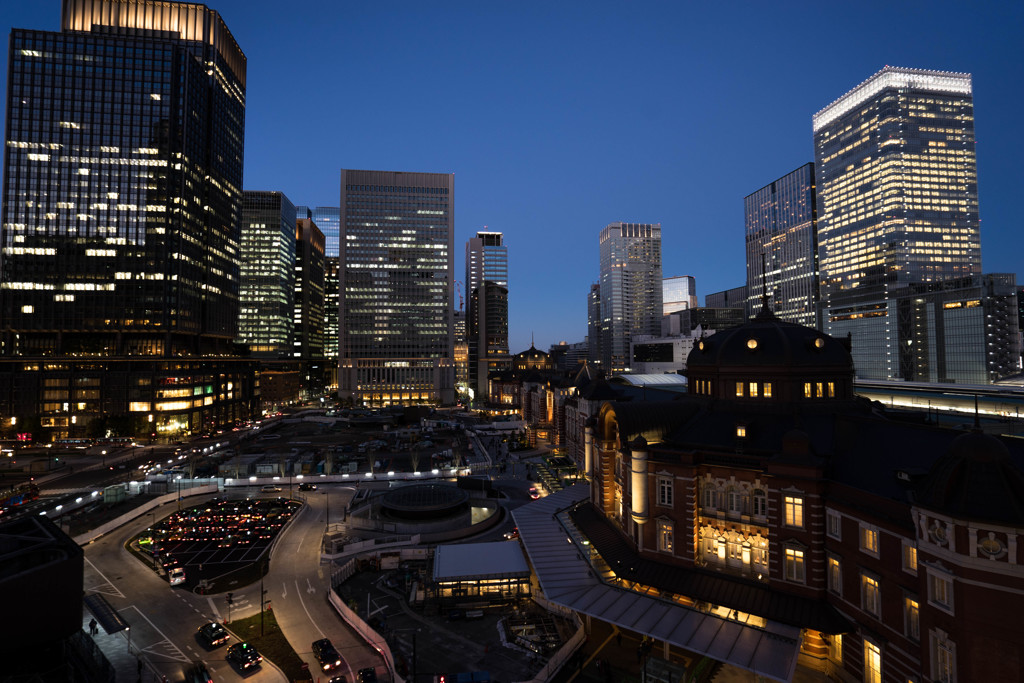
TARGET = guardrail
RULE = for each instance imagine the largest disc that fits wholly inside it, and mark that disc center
(90, 536)
(374, 639)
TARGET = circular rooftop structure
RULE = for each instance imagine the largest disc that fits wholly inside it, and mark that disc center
(425, 501)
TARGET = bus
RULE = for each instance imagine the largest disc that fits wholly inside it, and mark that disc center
(19, 495)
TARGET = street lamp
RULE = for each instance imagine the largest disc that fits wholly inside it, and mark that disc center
(178, 480)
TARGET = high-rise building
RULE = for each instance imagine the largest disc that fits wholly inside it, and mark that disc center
(308, 320)
(121, 219)
(328, 219)
(897, 203)
(782, 247)
(594, 324)
(727, 298)
(487, 314)
(331, 264)
(395, 287)
(630, 288)
(678, 293)
(486, 260)
(487, 335)
(267, 286)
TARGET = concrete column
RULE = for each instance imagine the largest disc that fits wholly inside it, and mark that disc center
(588, 449)
(638, 495)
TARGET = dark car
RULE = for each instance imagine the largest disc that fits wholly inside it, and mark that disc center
(368, 675)
(307, 487)
(244, 656)
(213, 634)
(326, 654)
(198, 673)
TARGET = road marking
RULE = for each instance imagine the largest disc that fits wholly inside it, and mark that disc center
(310, 587)
(170, 648)
(113, 589)
(308, 615)
(213, 608)
(284, 590)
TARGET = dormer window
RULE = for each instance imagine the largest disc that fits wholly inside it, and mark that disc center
(741, 431)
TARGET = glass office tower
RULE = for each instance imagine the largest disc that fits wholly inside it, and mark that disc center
(782, 247)
(897, 202)
(396, 287)
(487, 315)
(121, 213)
(630, 289)
(268, 274)
(678, 293)
(328, 219)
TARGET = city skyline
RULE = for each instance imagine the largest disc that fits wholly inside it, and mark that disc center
(555, 123)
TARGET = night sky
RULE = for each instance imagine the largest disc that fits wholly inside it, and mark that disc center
(558, 118)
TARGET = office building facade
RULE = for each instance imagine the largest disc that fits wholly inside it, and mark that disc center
(678, 294)
(781, 221)
(328, 219)
(331, 267)
(267, 285)
(727, 298)
(486, 260)
(396, 287)
(630, 288)
(487, 314)
(897, 202)
(121, 218)
(594, 324)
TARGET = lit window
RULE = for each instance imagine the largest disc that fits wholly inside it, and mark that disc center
(741, 431)
(943, 658)
(794, 511)
(940, 590)
(835, 648)
(664, 536)
(869, 539)
(834, 526)
(911, 618)
(835, 576)
(807, 390)
(794, 565)
(739, 388)
(831, 389)
(752, 389)
(818, 390)
(665, 491)
(909, 558)
(869, 595)
(760, 503)
(872, 662)
(767, 389)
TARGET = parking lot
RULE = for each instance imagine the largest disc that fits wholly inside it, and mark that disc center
(219, 538)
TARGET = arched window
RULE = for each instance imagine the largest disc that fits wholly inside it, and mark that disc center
(710, 495)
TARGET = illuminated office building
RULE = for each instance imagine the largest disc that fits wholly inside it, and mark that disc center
(594, 324)
(120, 219)
(678, 294)
(395, 288)
(630, 288)
(331, 264)
(782, 247)
(487, 315)
(267, 292)
(308, 317)
(897, 203)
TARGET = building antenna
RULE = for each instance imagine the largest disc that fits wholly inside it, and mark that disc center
(531, 340)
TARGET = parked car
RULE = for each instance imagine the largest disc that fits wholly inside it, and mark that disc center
(213, 634)
(244, 655)
(510, 535)
(270, 488)
(367, 675)
(326, 654)
(176, 576)
(305, 486)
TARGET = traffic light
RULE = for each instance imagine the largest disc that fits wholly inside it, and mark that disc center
(231, 598)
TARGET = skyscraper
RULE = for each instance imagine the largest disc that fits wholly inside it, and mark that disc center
(630, 288)
(121, 216)
(486, 259)
(678, 293)
(328, 219)
(487, 315)
(308, 320)
(897, 202)
(782, 247)
(594, 323)
(396, 286)
(267, 291)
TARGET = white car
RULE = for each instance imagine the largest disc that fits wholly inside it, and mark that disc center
(270, 488)
(176, 576)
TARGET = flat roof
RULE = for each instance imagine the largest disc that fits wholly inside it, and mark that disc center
(497, 560)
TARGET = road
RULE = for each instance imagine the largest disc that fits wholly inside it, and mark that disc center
(164, 620)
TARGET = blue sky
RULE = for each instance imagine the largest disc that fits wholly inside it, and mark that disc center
(560, 117)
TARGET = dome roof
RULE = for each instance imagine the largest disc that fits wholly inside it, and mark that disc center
(766, 340)
(975, 479)
(533, 353)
